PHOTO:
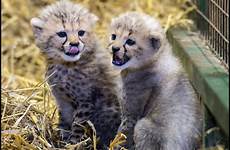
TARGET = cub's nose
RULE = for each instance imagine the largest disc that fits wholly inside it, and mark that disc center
(115, 49)
(74, 44)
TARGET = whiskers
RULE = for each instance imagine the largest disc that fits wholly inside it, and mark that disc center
(107, 47)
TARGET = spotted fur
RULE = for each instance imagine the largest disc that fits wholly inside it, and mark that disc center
(82, 84)
(160, 110)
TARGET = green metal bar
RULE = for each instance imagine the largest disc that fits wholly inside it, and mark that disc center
(202, 10)
(202, 5)
(208, 77)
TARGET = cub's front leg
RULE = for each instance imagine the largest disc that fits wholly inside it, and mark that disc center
(129, 119)
(66, 109)
(82, 114)
(127, 127)
(132, 107)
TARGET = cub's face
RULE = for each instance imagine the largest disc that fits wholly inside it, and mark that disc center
(133, 42)
(65, 34)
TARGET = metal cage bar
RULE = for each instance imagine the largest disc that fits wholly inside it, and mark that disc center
(213, 22)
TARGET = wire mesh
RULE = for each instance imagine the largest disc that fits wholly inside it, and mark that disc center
(213, 22)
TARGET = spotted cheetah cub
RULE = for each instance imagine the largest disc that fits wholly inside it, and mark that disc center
(79, 75)
(160, 110)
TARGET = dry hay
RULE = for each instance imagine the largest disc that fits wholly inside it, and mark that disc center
(28, 114)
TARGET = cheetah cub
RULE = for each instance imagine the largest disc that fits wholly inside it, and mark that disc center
(77, 71)
(160, 110)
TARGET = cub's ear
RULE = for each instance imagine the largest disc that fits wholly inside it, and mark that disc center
(155, 42)
(37, 26)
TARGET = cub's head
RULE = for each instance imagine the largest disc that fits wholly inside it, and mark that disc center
(136, 39)
(63, 31)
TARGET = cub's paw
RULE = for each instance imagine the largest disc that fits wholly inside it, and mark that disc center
(76, 138)
(82, 145)
(64, 135)
(77, 133)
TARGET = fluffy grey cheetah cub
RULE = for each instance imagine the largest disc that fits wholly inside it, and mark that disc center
(79, 75)
(160, 110)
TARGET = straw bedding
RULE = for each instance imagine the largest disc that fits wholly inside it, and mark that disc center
(28, 113)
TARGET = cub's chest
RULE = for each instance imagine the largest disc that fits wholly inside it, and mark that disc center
(67, 77)
(71, 83)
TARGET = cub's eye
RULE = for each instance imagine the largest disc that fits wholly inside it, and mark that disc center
(61, 34)
(113, 37)
(81, 32)
(130, 42)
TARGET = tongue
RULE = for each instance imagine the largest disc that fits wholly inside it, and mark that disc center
(73, 49)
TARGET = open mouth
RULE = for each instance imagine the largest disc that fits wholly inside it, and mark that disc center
(120, 61)
(71, 54)
(73, 51)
